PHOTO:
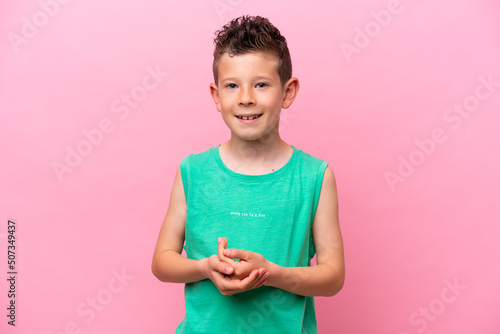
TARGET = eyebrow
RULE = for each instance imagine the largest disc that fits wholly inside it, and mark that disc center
(259, 77)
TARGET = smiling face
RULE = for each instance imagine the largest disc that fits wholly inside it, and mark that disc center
(249, 86)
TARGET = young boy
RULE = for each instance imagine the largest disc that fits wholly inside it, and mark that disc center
(275, 205)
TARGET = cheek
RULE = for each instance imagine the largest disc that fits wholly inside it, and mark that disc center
(222, 104)
(268, 101)
(279, 101)
(227, 109)
(226, 101)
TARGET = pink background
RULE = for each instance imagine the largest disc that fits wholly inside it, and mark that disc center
(362, 111)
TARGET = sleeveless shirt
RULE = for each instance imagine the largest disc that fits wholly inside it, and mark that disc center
(271, 214)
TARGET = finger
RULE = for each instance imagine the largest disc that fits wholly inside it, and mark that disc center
(220, 249)
(218, 276)
(263, 281)
(255, 282)
(224, 284)
(222, 241)
(236, 254)
(225, 268)
(221, 267)
(229, 285)
(250, 281)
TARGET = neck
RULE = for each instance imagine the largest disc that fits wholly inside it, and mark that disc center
(255, 156)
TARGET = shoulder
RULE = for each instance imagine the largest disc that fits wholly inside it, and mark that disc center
(329, 179)
(311, 160)
(197, 158)
(319, 170)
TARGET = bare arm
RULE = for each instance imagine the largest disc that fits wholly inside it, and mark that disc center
(169, 265)
(324, 279)
(327, 277)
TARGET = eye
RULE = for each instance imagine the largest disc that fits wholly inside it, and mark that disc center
(262, 85)
(231, 86)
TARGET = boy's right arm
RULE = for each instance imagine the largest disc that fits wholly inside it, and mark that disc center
(169, 265)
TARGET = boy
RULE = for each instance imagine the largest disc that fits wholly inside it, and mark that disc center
(276, 205)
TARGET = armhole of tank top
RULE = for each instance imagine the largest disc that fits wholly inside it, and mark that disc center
(320, 172)
(184, 174)
(318, 184)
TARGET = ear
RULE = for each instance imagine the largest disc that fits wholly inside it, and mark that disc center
(290, 90)
(214, 91)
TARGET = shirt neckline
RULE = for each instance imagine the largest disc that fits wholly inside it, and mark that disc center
(254, 178)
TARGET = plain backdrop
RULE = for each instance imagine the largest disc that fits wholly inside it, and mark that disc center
(99, 102)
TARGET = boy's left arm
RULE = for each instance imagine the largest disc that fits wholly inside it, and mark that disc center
(327, 277)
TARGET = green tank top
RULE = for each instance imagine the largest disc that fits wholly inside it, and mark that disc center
(271, 214)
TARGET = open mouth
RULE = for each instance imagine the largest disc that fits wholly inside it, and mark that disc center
(249, 117)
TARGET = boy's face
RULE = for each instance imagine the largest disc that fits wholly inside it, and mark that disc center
(249, 84)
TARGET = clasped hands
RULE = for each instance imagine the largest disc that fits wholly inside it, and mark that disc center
(231, 276)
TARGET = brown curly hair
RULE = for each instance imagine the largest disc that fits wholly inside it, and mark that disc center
(249, 34)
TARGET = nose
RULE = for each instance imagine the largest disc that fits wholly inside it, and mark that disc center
(246, 96)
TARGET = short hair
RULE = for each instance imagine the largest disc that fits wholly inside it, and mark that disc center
(250, 34)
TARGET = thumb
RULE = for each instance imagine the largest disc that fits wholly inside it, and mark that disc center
(220, 250)
(223, 242)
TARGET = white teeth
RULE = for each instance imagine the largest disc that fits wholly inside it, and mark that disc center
(250, 117)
